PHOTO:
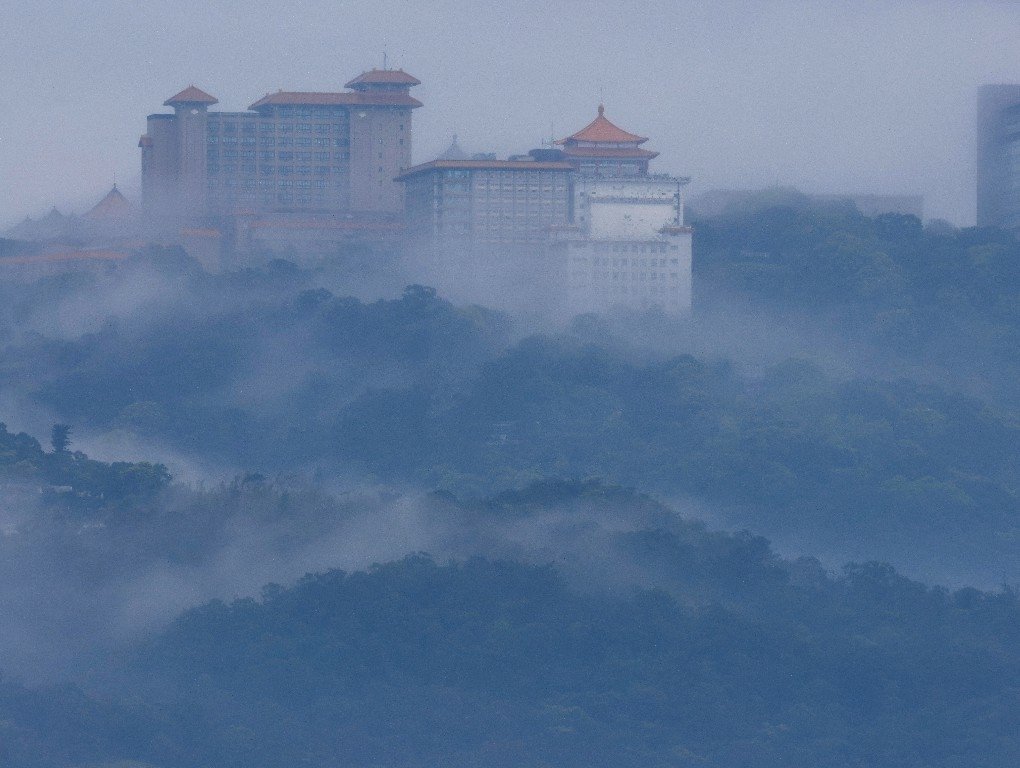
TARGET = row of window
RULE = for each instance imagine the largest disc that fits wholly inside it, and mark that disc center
(246, 126)
(213, 158)
(287, 198)
(304, 110)
(597, 261)
(282, 141)
(268, 156)
(669, 295)
(271, 184)
(634, 247)
(624, 276)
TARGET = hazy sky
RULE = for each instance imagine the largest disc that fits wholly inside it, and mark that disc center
(828, 96)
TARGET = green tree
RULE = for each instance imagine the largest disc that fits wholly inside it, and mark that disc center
(60, 437)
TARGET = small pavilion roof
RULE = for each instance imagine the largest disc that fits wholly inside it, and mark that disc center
(113, 205)
(454, 151)
(601, 130)
(191, 95)
(384, 77)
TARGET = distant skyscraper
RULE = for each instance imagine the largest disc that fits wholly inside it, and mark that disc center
(998, 156)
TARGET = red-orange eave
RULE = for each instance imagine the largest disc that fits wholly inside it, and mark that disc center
(384, 77)
(316, 99)
(622, 152)
(601, 130)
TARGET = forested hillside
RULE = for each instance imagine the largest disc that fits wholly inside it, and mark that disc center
(415, 663)
(484, 536)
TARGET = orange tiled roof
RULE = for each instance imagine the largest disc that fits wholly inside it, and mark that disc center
(191, 95)
(600, 130)
(384, 77)
(336, 99)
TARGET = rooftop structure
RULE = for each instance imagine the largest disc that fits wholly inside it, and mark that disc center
(604, 149)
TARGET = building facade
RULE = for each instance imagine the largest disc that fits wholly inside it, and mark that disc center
(998, 156)
(628, 245)
(324, 161)
(581, 226)
(478, 228)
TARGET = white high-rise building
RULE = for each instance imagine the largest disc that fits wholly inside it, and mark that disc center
(626, 244)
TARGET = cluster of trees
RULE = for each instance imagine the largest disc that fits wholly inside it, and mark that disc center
(934, 294)
(480, 661)
(80, 481)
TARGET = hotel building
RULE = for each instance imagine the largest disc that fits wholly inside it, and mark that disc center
(583, 226)
(323, 163)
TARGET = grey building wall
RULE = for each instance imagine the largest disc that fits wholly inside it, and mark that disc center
(996, 203)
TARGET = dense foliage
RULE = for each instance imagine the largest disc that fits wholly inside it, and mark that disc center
(80, 480)
(492, 662)
(938, 295)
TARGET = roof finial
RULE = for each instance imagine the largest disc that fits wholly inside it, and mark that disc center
(602, 109)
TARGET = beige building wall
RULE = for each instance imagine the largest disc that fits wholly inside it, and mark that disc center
(380, 150)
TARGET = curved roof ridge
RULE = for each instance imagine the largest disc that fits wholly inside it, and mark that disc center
(602, 130)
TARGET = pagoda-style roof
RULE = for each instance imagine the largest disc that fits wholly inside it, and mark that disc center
(602, 131)
(191, 95)
(383, 77)
(113, 205)
(318, 99)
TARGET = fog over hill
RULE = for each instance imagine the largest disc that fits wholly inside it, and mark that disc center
(596, 496)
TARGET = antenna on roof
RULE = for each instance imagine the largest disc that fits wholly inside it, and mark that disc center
(552, 135)
(384, 58)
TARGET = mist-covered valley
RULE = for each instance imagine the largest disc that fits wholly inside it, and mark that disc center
(596, 496)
